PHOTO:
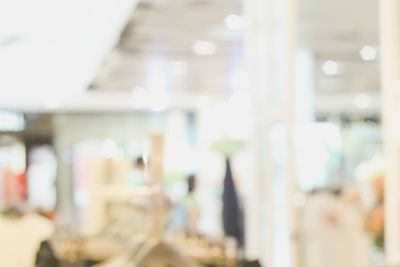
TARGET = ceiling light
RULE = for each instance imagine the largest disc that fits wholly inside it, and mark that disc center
(368, 53)
(235, 22)
(330, 67)
(203, 48)
(362, 101)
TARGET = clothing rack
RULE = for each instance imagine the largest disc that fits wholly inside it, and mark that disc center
(152, 247)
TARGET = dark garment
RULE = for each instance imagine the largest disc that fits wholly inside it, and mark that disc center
(45, 257)
(232, 216)
(255, 263)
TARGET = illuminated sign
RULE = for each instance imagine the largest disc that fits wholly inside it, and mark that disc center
(11, 121)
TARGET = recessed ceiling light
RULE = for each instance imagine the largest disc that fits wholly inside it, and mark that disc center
(203, 48)
(368, 53)
(362, 101)
(235, 22)
(330, 67)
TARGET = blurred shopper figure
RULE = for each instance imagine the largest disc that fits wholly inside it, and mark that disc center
(186, 214)
(334, 232)
(232, 215)
(192, 207)
(138, 176)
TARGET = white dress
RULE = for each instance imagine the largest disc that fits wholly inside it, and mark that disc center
(334, 234)
(20, 239)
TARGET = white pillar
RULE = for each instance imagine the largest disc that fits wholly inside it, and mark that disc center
(270, 47)
(289, 15)
(390, 71)
(259, 204)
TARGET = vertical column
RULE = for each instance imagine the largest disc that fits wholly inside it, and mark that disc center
(64, 182)
(156, 160)
(259, 205)
(289, 15)
(156, 174)
(271, 47)
(390, 71)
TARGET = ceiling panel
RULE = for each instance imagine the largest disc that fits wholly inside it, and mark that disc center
(161, 33)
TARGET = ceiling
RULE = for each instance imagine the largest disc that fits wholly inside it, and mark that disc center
(50, 50)
(161, 35)
(337, 30)
(123, 48)
(159, 40)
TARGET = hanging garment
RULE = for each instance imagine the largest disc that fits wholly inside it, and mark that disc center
(45, 256)
(334, 233)
(231, 211)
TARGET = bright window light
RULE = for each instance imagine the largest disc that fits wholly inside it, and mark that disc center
(65, 50)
